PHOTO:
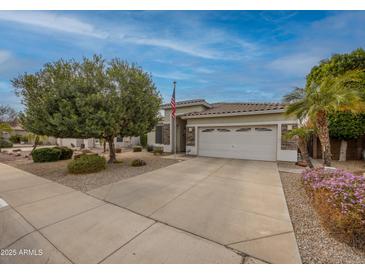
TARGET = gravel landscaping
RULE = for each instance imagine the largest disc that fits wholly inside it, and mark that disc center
(315, 244)
(57, 171)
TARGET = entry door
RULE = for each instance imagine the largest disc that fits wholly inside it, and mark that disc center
(253, 142)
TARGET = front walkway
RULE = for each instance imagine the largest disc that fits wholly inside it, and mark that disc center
(202, 210)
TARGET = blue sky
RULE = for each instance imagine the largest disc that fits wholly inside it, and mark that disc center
(216, 55)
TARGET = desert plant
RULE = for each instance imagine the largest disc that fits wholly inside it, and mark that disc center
(87, 164)
(118, 150)
(46, 155)
(137, 149)
(66, 153)
(138, 162)
(150, 148)
(339, 198)
(301, 135)
(157, 150)
(5, 143)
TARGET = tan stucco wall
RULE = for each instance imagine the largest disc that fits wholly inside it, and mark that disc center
(259, 118)
(182, 110)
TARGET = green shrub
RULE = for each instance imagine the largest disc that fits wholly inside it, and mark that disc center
(138, 162)
(5, 143)
(46, 155)
(83, 154)
(66, 153)
(15, 139)
(157, 150)
(143, 140)
(87, 164)
(137, 149)
(149, 148)
(24, 138)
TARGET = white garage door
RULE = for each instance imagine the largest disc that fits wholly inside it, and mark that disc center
(253, 142)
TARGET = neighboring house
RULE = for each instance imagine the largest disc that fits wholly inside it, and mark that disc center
(18, 130)
(95, 143)
(228, 130)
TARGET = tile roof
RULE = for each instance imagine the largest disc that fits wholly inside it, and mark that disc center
(237, 108)
(187, 102)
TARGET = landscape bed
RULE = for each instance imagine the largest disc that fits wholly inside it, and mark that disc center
(57, 171)
(317, 241)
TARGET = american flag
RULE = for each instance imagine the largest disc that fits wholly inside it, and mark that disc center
(173, 103)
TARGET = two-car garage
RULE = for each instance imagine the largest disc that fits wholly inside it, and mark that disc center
(239, 142)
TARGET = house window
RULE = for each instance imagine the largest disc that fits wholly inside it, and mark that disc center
(208, 130)
(223, 130)
(263, 129)
(244, 129)
(158, 133)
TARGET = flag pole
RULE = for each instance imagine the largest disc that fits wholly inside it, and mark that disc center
(175, 137)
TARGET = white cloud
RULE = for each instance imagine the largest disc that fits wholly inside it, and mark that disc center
(4, 56)
(172, 75)
(296, 64)
(53, 22)
(199, 42)
(189, 48)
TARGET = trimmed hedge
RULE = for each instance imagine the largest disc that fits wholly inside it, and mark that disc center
(41, 155)
(66, 153)
(5, 143)
(87, 164)
(149, 148)
(157, 150)
(138, 162)
(137, 149)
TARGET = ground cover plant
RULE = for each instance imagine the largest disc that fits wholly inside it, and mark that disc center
(339, 198)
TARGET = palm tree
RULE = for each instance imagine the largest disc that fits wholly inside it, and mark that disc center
(301, 135)
(339, 93)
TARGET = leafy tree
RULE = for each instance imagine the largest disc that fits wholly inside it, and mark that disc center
(337, 65)
(8, 117)
(329, 90)
(346, 126)
(92, 98)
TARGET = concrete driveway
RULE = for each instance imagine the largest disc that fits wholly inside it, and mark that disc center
(203, 210)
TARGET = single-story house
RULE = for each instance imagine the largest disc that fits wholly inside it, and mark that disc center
(95, 143)
(227, 130)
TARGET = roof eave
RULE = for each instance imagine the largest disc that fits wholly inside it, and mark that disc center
(187, 105)
(276, 111)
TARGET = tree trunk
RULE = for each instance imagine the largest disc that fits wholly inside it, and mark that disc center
(112, 157)
(36, 142)
(324, 138)
(104, 145)
(303, 147)
(343, 151)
